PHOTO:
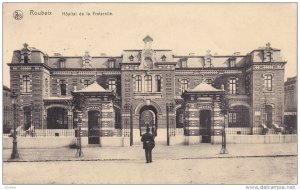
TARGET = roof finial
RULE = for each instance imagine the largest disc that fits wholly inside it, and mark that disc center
(268, 45)
(208, 52)
(25, 45)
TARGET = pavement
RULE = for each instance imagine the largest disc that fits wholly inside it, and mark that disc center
(160, 152)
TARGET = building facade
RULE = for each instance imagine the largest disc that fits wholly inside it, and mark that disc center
(290, 104)
(7, 110)
(179, 97)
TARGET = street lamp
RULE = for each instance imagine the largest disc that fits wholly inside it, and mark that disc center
(14, 154)
(169, 107)
(224, 149)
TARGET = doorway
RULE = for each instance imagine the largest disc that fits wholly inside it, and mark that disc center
(94, 127)
(205, 125)
(148, 118)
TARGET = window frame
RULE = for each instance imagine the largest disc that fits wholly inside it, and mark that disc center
(184, 84)
(26, 84)
(112, 84)
(268, 82)
(232, 86)
(148, 83)
(138, 83)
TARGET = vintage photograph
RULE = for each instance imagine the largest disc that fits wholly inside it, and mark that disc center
(150, 93)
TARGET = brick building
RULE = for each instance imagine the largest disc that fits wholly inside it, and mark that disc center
(7, 110)
(290, 103)
(150, 87)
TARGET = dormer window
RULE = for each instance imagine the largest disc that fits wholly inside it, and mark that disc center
(131, 58)
(208, 62)
(184, 62)
(111, 63)
(62, 63)
(86, 60)
(163, 58)
(232, 62)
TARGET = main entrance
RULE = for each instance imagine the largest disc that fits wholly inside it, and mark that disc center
(148, 118)
(94, 127)
(205, 125)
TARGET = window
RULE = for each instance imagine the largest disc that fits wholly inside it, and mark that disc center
(138, 83)
(112, 84)
(148, 83)
(26, 84)
(183, 63)
(232, 86)
(208, 81)
(63, 88)
(232, 62)
(62, 64)
(111, 64)
(232, 117)
(208, 62)
(184, 85)
(86, 82)
(268, 82)
(158, 83)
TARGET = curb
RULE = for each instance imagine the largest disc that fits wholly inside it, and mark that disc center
(209, 157)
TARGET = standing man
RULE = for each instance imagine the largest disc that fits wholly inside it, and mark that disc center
(148, 144)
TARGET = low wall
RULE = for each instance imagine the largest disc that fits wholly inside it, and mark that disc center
(39, 142)
(59, 142)
(261, 139)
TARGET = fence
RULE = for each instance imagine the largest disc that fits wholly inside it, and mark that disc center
(61, 133)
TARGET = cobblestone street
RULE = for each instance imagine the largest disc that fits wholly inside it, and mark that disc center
(280, 170)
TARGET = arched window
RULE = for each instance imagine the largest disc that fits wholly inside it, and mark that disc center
(26, 84)
(138, 83)
(63, 87)
(268, 82)
(111, 84)
(232, 86)
(158, 83)
(184, 85)
(148, 83)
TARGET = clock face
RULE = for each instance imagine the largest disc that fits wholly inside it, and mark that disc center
(148, 62)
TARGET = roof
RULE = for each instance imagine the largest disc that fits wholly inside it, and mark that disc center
(94, 87)
(6, 88)
(204, 87)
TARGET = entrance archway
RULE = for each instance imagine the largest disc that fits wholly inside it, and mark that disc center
(148, 118)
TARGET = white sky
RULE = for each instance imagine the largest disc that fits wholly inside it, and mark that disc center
(193, 27)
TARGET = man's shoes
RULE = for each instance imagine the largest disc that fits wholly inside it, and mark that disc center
(150, 160)
(147, 162)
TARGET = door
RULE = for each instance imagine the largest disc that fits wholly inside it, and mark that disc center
(94, 127)
(269, 115)
(205, 125)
